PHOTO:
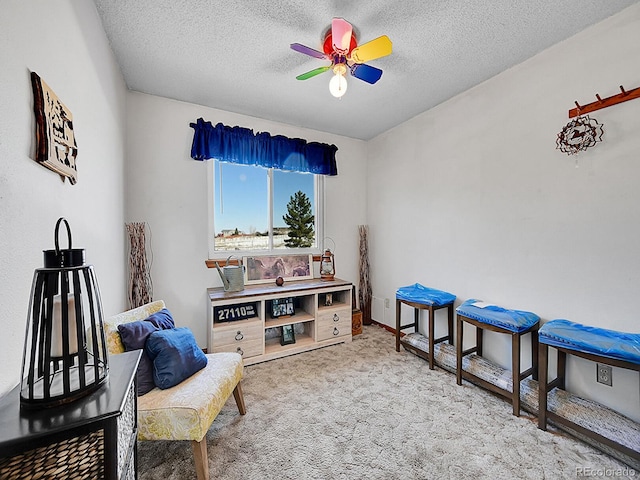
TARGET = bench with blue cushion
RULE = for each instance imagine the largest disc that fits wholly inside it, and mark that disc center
(490, 317)
(424, 298)
(601, 345)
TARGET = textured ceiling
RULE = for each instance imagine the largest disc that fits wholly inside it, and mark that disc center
(234, 55)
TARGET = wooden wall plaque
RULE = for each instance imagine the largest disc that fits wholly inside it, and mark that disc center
(56, 146)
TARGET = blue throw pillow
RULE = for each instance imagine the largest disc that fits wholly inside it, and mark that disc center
(162, 319)
(175, 355)
(134, 337)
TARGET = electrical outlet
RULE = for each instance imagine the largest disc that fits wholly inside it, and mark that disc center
(604, 374)
(386, 303)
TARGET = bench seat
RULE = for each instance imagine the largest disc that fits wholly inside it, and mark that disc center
(515, 323)
(599, 345)
(187, 410)
(586, 339)
(424, 298)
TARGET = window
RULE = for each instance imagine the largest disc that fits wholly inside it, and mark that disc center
(248, 206)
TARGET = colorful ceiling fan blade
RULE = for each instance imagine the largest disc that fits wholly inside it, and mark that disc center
(376, 48)
(341, 34)
(312, 73)
(366, 72)
(308, 51)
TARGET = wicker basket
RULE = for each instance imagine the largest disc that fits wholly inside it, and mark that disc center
(80, 458)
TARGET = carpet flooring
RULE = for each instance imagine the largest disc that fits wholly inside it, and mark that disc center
(364, 411)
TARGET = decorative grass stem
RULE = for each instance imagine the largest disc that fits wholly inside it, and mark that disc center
(140, 284)
(364, 286)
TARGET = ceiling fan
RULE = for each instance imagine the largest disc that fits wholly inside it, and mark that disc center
(341, 48)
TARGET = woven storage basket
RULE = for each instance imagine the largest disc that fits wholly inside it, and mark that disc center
(80, 458)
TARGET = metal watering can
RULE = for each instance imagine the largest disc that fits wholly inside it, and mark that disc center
(232, 276)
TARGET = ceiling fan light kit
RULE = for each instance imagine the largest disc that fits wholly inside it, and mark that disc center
(338, 84)
(341, 48)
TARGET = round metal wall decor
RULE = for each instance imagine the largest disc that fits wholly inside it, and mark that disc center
(579, 134)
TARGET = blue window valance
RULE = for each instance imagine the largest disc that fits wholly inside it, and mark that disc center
(241, 145)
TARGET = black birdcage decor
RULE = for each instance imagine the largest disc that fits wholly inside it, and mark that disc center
(65, 354)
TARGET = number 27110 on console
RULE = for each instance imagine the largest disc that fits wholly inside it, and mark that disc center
(230, 313)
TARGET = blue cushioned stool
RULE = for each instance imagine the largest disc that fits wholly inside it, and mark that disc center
(618, 349)
(424, 298)
(497, 319)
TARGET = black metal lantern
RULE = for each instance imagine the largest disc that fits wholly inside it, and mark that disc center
(65, 354)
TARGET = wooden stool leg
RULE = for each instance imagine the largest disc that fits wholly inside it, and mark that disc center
(562, 368)
(431, 336)
(543, 350)
(479, 335)
(459, 327)
(515, 366)
(534, 353)
(450, 324)
(398, 306)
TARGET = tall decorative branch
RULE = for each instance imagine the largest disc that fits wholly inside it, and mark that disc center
(140, 284)
(364, 286)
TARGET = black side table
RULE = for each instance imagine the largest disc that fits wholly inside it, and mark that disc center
(91, 438)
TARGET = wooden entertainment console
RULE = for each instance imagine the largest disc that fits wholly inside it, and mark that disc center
(322, 317)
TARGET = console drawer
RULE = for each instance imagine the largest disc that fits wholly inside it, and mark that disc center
(237, 332)
(334, 324)
(246, 348)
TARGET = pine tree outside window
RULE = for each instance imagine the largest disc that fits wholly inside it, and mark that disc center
(300, 219)
(260, 211)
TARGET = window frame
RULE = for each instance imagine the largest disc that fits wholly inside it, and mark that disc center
(318, 191)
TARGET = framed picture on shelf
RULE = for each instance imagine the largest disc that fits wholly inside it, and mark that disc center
(266, 268)
(288, 335)
(328, 299)
(281, 307)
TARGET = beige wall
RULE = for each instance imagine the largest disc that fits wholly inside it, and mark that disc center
(472, 197)
(63, 42)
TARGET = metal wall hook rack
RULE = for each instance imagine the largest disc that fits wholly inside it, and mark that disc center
(623, 96)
